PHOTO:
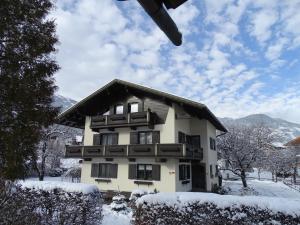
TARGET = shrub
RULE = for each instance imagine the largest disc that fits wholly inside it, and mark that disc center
(20, 205)
(207, 209)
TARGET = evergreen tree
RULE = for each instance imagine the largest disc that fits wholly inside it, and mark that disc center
(27, 44)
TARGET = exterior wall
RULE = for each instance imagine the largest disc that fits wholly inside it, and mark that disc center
(167, 182)
(88, 133)
(169, 170)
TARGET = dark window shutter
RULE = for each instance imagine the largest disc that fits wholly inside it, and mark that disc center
(188, 167)
(132, 171)
(112, 110)
(181, 171)
(115, 138)
(155, 137)
(140, 107)
(95, 170)
(96, 139)
(113, 170)
(181, 137)
(134, 138)
(196, 141)
(210, 143)
(156, 172)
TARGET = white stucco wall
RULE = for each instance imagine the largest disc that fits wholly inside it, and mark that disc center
(122, 183)
(169, 170)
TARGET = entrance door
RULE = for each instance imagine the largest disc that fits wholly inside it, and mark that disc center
(198, 177)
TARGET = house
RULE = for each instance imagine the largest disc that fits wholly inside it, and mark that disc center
(140, 138)
(295, 146)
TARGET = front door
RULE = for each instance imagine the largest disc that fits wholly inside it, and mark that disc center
(198, 177)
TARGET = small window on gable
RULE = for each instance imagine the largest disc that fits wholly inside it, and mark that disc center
(119, 109)
(133, 107)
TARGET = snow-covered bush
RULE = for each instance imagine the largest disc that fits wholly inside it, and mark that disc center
(33, 204)
(119, 204)
(213, 209)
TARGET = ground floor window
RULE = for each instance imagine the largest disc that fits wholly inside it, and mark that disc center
(104, 170)
(211, 171)
(144, 172)
(184, 172)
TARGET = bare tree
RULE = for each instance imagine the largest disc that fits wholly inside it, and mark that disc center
(51, 148)
(242, 146)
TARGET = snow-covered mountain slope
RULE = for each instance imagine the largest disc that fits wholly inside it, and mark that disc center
(286, 130)
(63, 102)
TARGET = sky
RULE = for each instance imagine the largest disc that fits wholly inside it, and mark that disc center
(238, 57)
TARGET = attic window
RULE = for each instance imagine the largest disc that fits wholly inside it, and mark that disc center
(119, 109)
(133, 107)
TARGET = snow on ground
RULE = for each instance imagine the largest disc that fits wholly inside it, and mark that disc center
(261, 188)
(66, 186)
(180, 199)
(111, 217)
(68, 163)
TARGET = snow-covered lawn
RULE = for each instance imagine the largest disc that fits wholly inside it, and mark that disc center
(261, 188)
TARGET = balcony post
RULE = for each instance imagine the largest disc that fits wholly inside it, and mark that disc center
(184, 150)
(106, 118)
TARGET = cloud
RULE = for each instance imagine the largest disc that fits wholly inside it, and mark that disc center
(219, 63)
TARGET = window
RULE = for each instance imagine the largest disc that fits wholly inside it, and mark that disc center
(145, 137)
(211, 171)
(104, 170)
(144, 172)
(133, 107)
(217, 171)
(119, 109)
(212, 143)
(184, 172)
(109, 139)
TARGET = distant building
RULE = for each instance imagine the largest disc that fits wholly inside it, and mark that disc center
(295, 145)
(140, 138)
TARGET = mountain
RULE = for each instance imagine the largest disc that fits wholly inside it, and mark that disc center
(286, 130)
(63, 102)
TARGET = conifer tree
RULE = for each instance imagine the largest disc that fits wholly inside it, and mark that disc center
(27, 85)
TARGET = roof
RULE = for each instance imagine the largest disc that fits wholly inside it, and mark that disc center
(118, 88)
(294, 142)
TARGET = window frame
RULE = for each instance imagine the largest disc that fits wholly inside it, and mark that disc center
(116, 109)
(145, 138)
(107, 136)
(184, 172)
(130, 107)
(145, 175)
(106, 167)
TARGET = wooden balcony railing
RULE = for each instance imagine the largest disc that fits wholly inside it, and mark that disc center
(123, 120)
(136, 150)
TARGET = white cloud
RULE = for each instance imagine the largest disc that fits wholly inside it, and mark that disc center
(103, 40)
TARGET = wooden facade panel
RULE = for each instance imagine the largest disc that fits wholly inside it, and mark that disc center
(157, 107)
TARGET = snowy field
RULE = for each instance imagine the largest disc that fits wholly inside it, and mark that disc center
(261, 188)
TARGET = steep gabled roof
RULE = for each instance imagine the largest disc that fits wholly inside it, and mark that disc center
(75, 115)
(295, 142)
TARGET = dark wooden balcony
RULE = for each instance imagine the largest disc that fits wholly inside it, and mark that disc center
(93, 151)
(116, 150)
(141, 150)
(136, 150)
(123, 120)
(73, 151)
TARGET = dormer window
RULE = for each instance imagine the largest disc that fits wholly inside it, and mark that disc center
(119, 109)
(133, 107)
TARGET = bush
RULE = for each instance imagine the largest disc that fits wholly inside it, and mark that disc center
(20, 206)
(182, 210)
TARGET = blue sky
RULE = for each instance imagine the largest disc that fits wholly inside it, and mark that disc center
(237, 57)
